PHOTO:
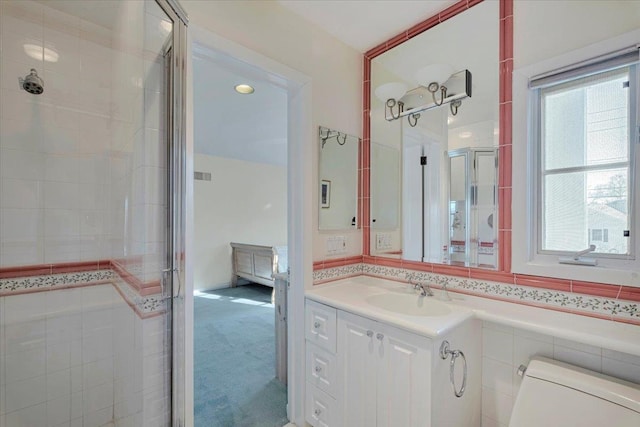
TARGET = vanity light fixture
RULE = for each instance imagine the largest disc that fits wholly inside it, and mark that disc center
(390, 94)
(244, 89)
(433, 79)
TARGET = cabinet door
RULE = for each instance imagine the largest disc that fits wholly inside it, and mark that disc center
(404, 366)
(357, 370)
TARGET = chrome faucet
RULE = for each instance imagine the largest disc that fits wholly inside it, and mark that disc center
(423, 288)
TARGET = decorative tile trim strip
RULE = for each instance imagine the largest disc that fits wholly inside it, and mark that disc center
(46, 282)
(144, 305)
(606, 307)
(335, 273)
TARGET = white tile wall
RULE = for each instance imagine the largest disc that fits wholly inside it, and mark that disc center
(81, 356)
(81, 168)
(506, 348)
(89, 148)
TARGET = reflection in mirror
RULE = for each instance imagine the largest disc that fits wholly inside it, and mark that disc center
(445, 131)
(472, 208)
(385, 203)
(338, 178)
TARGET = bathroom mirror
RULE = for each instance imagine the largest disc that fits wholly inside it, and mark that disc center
(441, 187)
(338, 180)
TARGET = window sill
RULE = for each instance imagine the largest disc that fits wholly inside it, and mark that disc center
(597, 274)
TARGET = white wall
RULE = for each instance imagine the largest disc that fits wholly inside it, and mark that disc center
(244, 202)
(336, 71)
(544, 29)
(505, 348)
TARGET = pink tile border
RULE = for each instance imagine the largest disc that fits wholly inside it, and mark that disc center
(493, 276)
(336, 262)
(596, 289)
(546, 283)
(453, 10)
(629, 293)
(43, 269)
(423, 26)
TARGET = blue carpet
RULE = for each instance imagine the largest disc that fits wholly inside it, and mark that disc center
(234, 339)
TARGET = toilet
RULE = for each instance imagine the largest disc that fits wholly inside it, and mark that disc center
(555, 394)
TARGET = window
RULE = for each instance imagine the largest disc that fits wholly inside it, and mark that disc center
(599, 235)
(584, 132)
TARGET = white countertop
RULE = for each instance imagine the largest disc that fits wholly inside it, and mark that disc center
(350, 295)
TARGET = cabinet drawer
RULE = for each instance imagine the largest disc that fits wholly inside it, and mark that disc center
(321, 369)
(321, 409)
(320, 325)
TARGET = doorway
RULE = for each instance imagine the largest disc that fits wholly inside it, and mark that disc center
(240, 239)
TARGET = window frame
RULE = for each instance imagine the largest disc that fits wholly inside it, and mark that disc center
(536, 162)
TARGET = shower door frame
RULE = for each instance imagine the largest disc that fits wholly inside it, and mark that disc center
(173, 277)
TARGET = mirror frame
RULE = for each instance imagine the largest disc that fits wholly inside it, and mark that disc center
(504, 148)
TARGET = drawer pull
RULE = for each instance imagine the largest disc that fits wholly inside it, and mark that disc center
(316, 325)
(369, 334)
(318, 369)
(379, 336)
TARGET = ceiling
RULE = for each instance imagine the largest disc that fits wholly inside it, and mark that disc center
(365, 24)
(227, 124)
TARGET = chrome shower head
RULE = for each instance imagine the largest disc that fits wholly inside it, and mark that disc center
(32, 83)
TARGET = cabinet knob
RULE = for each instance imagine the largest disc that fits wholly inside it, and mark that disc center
(380, 336)
(316, 325)
(317, 412)
(369, 334)
(318, 368)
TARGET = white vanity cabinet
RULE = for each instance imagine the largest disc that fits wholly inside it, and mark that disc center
(365, 372)
(384, 372)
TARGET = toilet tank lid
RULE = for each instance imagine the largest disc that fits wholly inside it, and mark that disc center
(615, 390)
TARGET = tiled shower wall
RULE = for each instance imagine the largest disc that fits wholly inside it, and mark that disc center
(53, 147)
(504, 349)
(82, 178)
(80, 357)
(82, 166)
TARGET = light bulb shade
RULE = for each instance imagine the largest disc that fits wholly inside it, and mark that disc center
(394, 90)
(438, 73)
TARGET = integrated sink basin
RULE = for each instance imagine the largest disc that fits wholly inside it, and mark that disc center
(409, 304)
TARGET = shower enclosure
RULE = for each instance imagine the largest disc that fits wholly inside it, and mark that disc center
(91, 213)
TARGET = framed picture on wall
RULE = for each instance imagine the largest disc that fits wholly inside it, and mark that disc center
(325, 193)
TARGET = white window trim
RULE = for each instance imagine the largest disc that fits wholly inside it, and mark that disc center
(523, 258)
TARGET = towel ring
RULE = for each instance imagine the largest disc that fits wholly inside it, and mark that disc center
(445, 351)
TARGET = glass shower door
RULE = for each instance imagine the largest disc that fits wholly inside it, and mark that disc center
(90, 213)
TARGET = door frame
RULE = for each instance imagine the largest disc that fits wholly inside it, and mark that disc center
(174, 275)
(300, 155)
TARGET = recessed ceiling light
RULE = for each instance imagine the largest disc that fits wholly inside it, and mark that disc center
(38, 52)
(244, 89)
(465, 135)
